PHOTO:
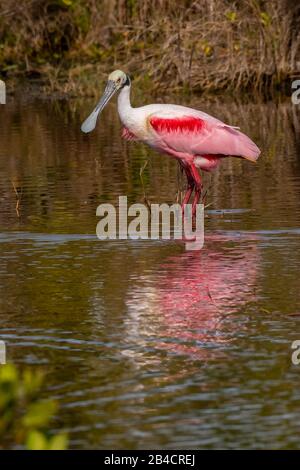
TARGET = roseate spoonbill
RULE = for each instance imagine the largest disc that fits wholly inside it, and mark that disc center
(194, 138)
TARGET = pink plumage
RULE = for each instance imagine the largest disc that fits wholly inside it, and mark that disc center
(201, 142)
(127, 135)
(184, 124)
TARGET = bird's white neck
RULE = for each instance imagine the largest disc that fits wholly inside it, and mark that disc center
(124, 106)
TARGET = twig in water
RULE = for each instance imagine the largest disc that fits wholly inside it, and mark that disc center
(18, 196)
(223, 316)
(146, 200)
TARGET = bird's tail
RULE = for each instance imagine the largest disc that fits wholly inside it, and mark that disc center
(239, 144)
(247, 148)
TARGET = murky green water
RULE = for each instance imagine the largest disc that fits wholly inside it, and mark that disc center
(146, 344)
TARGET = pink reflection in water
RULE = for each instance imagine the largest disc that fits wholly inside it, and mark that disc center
(192, 297)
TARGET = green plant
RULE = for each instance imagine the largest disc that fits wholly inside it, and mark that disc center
(24, 417)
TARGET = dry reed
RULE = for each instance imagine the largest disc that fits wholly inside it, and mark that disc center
(208, 45)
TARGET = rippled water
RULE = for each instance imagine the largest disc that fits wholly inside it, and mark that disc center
(146, 344)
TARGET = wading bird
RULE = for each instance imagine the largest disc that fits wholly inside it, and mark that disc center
(194, 138)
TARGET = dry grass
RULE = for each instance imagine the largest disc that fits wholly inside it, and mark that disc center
(71, 45)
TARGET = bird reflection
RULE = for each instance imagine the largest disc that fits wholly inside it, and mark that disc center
(190, 303)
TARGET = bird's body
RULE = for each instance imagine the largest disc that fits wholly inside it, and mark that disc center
(194, 138)
(184, 133)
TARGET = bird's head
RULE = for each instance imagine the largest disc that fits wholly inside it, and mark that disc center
(116, 81)
(118, 78)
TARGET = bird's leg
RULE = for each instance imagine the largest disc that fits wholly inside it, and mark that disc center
(198, 188)
(190, 187)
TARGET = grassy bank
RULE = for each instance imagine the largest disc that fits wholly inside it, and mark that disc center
(69, 46)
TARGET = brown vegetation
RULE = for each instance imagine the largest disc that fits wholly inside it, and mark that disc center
(207, 45)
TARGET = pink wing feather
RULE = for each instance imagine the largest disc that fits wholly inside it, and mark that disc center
(128, 135)
(195, 136)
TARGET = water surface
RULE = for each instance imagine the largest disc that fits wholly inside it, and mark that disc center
(145, 344)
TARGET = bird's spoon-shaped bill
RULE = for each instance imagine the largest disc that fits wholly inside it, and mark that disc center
(90, 123)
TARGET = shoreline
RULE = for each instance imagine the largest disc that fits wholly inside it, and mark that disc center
(166, 47)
